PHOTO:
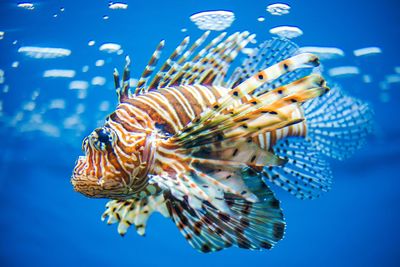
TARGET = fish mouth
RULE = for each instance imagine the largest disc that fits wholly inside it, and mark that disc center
(85, 184)
(96, 187)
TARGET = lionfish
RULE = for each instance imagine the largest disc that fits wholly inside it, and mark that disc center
(202, 147)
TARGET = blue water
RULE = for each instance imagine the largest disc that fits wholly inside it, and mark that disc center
(45, 223)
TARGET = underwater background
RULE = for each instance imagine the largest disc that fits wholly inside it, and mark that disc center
(42, 123)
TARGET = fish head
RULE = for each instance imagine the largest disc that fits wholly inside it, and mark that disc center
(115, 164)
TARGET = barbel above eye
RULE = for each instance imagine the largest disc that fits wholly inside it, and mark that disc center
(85, 143)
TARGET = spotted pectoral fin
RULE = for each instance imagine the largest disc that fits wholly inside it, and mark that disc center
(251, 225)
(134, 212)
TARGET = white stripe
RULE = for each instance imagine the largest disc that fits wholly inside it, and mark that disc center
(261, 140)
(149, 101)
(160, 97)
(183, 101)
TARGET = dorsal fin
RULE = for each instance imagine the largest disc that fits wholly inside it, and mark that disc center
(178, 63)
(142, 83)
(168, 63)
(179, 70)
(208, 60)
(217, 59)
(195, 45)
(123, 92)
(228, 57)
(208, 66)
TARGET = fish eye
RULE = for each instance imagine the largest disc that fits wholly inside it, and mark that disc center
(102, 138)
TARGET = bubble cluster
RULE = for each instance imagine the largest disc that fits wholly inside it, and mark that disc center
(104, 106)
(43, 52)
(98, 81)
(278, 9)
(287, 31)
(59, 73)
(344, 71)
(117, 5)
(367, 51)
(78, 85)
(213, 20)
(2, 77)
(110, 47)
(28, 6)
(99, 63)
(323, 53)
(57, 104)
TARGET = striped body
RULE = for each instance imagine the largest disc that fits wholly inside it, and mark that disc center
(173, 108)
